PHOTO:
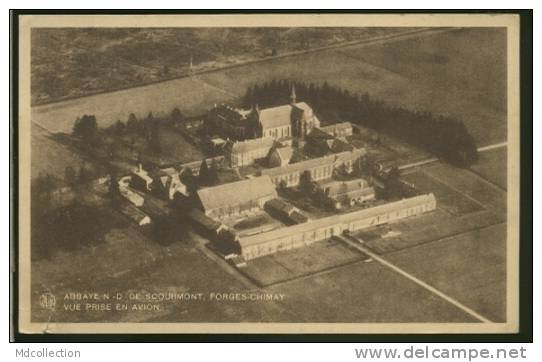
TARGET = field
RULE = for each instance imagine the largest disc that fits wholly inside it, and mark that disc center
(491, 165)
(46, 154)
(446, 66)
(470, 267)
(470, 185)
(296, 263)
(449, 199)
(80, 61)
(365, 292)
(196, 94)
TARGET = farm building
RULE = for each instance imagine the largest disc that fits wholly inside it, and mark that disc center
(244, 153)
(132, 196)
(289, 175)
(284, 211)
(236, 198)
(164, 183)
(195, 165)
(319, 168)
(141, 179)
(231, 122)
(254, 246)
(280, 156)
(205, 224)
(136, 215)
(342, 129)
(339, 194)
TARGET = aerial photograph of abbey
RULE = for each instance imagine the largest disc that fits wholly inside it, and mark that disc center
(269, 175)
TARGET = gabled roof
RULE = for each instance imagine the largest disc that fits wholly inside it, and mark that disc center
(250, 145)
(308, 112)
(335, 188)
(337, 126)
(276, 116)
(285, 153)
(299, 166)
(133, 212)
(236, 193)
(318, 133)
(339, 145)
(280, 205)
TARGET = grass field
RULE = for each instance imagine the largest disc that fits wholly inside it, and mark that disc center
(365, 292)
(49, 156)
(296, 263)
(344, 68)
(450, 200)
(470, 268)
(78, 61)
(460, 73)
(470, 185)
(492, 165)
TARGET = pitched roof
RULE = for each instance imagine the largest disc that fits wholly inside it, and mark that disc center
(285, 153)
(334, 220)
(280, 205)
(339, 145)
(235, 193)
(319, 133)
(336, 188)
(299, 166)
(298, 217)
(205, 221)
(133, 212)
(251, 145)
(276, 116)
(308, 112)
(337, 126)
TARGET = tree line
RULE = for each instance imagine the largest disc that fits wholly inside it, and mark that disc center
(446, 137)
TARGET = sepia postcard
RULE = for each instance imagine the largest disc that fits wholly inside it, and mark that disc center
(268, 173)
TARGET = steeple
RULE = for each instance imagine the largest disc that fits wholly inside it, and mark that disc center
(292, 95)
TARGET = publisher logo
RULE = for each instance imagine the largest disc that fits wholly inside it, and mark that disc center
(47, 301)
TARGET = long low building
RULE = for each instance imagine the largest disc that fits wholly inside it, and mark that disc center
(254, 246)
(320, 168)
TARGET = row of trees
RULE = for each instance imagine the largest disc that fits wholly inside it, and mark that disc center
(445, 137)
(86, 128)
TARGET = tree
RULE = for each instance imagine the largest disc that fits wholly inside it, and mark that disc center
(113, 191)
(70, 176)
(86, 128)
(132, 125)
(85, 175)
(187, 177)
(203, 178)
(213, 173)
(176, 115)
(154, 138)
(42, 187)
(120, 128)
(305, 183)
